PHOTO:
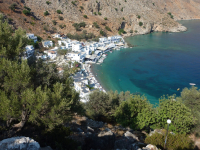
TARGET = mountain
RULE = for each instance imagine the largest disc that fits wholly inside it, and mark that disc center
(134, 16)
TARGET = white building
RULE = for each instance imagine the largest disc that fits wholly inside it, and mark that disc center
(79, 57)
(103, 40)
(77, 47)
(51, 54)
(32, 36)
(57, 36)
(29, 50)
(47, 43)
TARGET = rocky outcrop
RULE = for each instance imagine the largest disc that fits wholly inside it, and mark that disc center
(19, 143)
(135, 17)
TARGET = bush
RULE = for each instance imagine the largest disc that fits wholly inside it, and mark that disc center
(73, 3)
(60, 17)
(26, 12)
(95, 24)
(82, 24)
(122, 9)
(140, 24)
(95, 13)
(107, 28)
(85, 16)
(13, 6)
(57, 138)
(27, 8)
(121, 31)
(169, 13)
(10, 19)
(174, 142)
(99, 13)
(103, 33)
(138, 16)
(116, 9)
(59, 11)
(105, 18)
(32, 23)
(81, 7)
(45, 28)
(47, 2)
(46, 13)
(62, 26)
(131, 31)
(54, 22)
(123, 18)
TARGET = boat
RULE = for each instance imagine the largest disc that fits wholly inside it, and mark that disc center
(192, 83)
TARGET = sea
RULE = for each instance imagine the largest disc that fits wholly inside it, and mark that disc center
(159, 64)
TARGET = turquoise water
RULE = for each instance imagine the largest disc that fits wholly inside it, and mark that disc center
(159, 64)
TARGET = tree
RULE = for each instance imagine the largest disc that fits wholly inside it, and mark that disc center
(26, 12)
(46, 13)
(140, 23)
(13, 6)
(59, 11)
(11, 45)
(180, 115)
(34, 93)
(85, 16)
(135, 112)
(191, 99)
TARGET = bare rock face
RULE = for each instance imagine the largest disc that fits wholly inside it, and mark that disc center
(151, 147)
(19, 143)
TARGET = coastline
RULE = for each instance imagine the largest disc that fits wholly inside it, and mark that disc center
(97, 77)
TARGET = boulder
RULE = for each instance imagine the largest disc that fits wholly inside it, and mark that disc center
(151, 147)
(19, 143)
(130, 135)
(124, 144)
(89, 129)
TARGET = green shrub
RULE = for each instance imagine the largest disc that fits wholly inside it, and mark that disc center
(26, 12)
(82, 24)
(102, 33)
(125, 0)
(48, 2)
(60, 17)
(99, 13)
(45, 28)
(27, 8)
(95, 24)
(73, 3)
(131, 31)
(122, 9)
(140, 23)
(135, 31)
(81, 7)
(116, 9)
(138, 16)
(123, 18)
(119, 3)
(105, 18)
(95, 13)
(169, 13)
(121, 31)
(13, 6)
(85, 16)
(54, 22)
(46, 13)
(174, 142)
(57, 138)
(59, 11)
(107, 28)
(32, 23)
(33, 18)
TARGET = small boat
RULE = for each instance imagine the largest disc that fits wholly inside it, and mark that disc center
(192, 83)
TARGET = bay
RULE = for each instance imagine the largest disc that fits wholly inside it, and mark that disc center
(160, 64)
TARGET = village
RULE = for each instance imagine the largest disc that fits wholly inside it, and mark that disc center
(82, 53)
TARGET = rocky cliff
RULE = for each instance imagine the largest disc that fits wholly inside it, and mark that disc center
(134, 16)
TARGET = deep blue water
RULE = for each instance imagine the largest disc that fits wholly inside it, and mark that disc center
(159, 65)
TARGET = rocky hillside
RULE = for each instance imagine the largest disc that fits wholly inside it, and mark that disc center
(134, 16)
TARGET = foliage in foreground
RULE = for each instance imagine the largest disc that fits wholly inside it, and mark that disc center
(174, 142)
(35, 93)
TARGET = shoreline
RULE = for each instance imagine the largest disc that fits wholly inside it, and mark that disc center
(97, 78)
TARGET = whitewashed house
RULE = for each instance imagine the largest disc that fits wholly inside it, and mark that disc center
(79, 57)
(32, 36)
(103, 39)
(29, 50)
(51, 54)
(47, 43)
(77, 47)
(57, 36)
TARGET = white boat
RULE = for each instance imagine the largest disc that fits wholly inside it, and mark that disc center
(192, 83)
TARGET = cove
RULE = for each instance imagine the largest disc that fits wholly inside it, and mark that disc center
(160, 64)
